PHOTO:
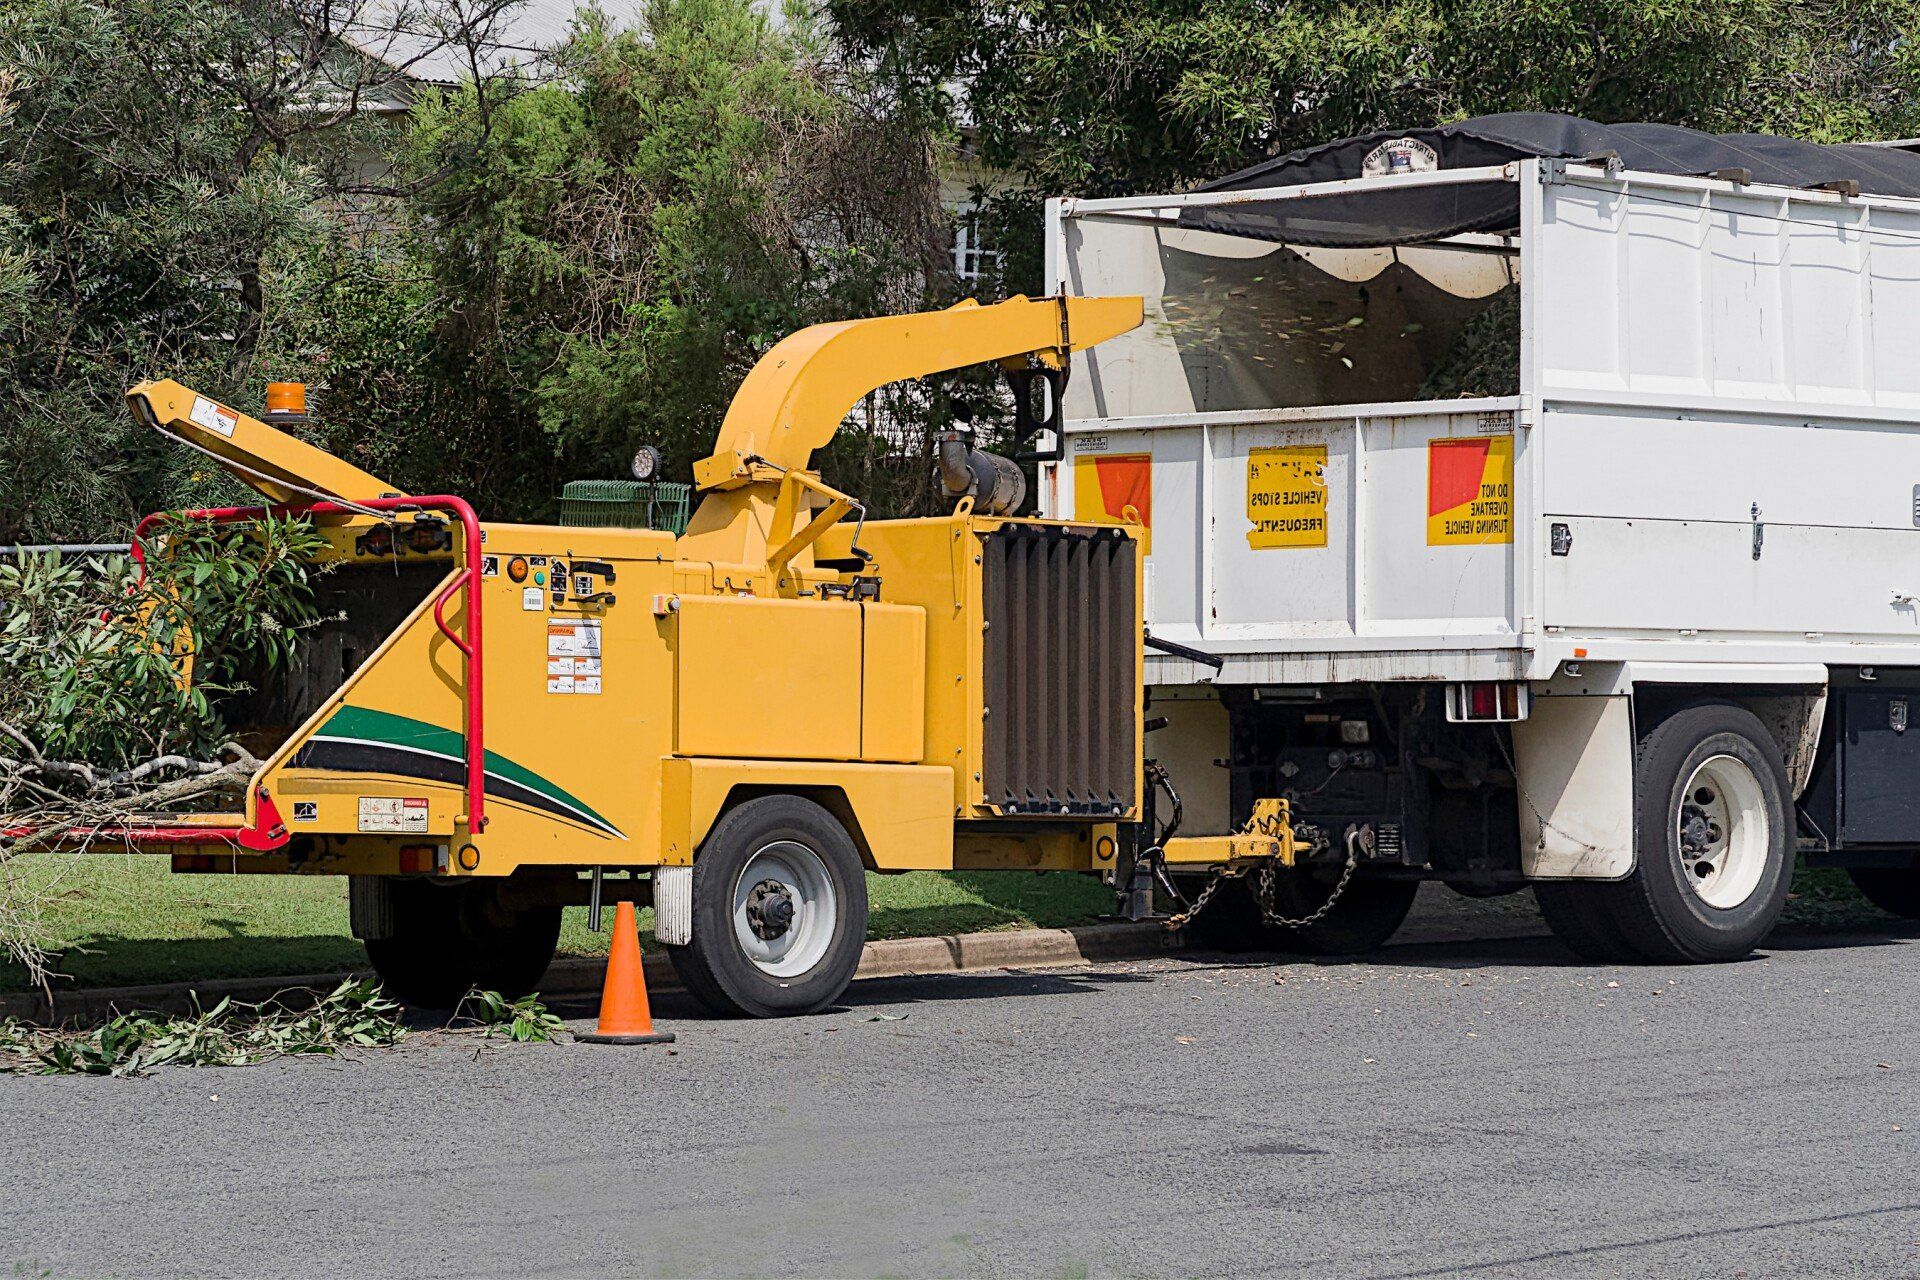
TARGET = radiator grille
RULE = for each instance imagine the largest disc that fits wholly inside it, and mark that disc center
(1062, 641)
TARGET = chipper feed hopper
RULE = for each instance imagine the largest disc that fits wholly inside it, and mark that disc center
(732, 725)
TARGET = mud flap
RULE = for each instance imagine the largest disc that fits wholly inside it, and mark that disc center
(370, 907)
(1574, 760)
(673, 905)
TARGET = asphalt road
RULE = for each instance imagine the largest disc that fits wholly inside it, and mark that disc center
(1458, 1108)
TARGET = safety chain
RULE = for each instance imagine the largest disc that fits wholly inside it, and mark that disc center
(1263, 894)
(1220, 877)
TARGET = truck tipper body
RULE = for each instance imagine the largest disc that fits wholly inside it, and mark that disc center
(1548, 498)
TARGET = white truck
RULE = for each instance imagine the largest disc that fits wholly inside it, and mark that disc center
(1548, 495)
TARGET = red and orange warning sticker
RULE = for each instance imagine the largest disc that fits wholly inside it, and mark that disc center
(1470, 491)
(1106, 486)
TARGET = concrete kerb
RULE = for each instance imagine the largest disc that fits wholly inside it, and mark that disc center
(572, 976)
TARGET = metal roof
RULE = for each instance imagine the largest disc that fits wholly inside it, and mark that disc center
(417, 39)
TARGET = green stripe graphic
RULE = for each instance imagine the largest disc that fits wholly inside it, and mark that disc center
(368, 725)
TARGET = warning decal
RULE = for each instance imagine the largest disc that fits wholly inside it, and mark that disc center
(213, 417)
(1105, 485)
(573, 655)
(1287, 496)
(1470, 491)
(405, 815)
(573, 637)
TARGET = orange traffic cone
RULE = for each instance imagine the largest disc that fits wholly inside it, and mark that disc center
(624, 1016)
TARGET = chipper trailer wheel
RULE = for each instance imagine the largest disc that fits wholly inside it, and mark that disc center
(445, 939)
(1712, 848)
(779, 911)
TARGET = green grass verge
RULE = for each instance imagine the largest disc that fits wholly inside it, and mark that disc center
(122, 920)
(1824, 898)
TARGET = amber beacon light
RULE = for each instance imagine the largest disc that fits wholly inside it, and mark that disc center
(286, 400)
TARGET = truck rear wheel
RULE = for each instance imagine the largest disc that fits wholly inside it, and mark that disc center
(446, 939)
(1895, 890)
(1711, 848)
(1581, 915)
(779, 911)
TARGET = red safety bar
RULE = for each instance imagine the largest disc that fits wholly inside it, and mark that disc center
(468, 577)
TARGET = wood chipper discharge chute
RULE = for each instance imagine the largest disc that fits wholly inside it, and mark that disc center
(733, 725)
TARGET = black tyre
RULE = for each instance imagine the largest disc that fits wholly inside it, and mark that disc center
(1581, 915)
(448, 939)
(779, 911)
(1367, 914)
(1712, 839)
(1895, 890)
(1231, 920)
(516, 944)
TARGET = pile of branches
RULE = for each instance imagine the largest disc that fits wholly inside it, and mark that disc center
(110, 686)
(355, 1015)
(48, 804)
(77, 795)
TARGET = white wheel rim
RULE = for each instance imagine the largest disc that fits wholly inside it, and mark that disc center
(1722, 833)
(788, 873)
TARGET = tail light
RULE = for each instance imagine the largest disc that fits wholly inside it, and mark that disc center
(428, 535)
(1486, 701)
(416, 859)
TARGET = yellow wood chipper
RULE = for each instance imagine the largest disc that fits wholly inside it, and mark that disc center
(732, 724)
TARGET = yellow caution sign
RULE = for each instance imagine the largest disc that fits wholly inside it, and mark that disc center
(1287, 496)
(1470, 491)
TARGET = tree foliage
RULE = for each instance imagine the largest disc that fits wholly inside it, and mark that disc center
(613, 250)
(161, 163)
(110, 667)
(1111, 97)
(543, 278)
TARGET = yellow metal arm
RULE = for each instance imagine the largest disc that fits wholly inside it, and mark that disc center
(757, 515)
(793, 494)
(270, 460)
(796, 397)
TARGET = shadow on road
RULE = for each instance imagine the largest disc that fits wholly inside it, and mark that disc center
(108, 958)
(979, 984)
(1546, 951)
(1828, 937)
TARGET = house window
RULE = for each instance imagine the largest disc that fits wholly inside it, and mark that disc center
(972, 261)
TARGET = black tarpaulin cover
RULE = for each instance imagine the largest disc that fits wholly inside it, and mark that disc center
(1414, 214)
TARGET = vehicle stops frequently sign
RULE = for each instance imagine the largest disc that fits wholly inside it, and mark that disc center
(1287, 496)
